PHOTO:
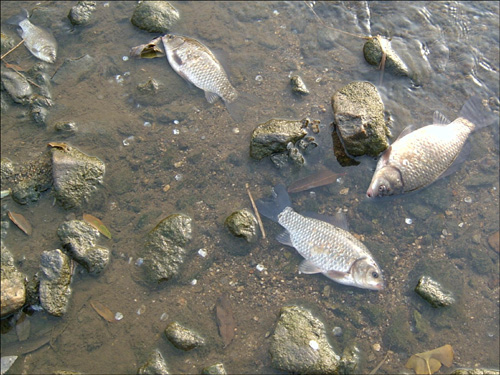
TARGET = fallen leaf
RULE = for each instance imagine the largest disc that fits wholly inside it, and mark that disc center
(103, 311)
(225, 319)
(60, 145)
(21, 222)
(147, 51)
(429, 362)
(97, 224)
(321, 178)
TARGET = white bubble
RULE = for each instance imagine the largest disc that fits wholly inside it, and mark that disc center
(125, 58)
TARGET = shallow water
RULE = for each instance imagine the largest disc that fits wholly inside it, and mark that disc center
(199, 152)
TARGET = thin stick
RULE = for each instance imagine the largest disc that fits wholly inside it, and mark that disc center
(374, 371)
(22, 75)
(261, 226)
(13, 48)
(333, 28)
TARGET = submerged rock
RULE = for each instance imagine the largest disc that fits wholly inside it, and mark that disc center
(475, 371)
(164, 250)
(299, 344)
(17, 86)
(55, 280)
(183, 338)
(13, 291)
(76, 176)
(80, 241)
(376, 47)
(433, 292)
(154, 16)
(298, 85)
(274, 135)
(154, 365)
(242, 223)
(359, 117)
(80, 14)
(217, 369)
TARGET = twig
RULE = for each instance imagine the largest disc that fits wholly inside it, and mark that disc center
(374, 371)
(22, 75)
(261, 226)
(13, 48)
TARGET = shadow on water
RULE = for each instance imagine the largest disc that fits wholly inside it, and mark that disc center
(174, 152)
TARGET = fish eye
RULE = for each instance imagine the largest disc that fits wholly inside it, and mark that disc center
(382, 188)
(375, 275)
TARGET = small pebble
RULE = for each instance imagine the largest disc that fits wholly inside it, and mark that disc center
(468, 200)
(202, 253)
(260, 267)
(139, 262)
(344, 191)
(176, 122)
(259, 78)
(164, 317)
(141, 310)
(376, 347)
(147, 124)
(125, 58)
(408, 221)
(175, 131)
(178, 177)
(337, 331)
(118, 316)
(194, 282)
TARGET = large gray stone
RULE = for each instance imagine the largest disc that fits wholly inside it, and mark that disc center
(299, 344)
(155, 16)
(374, 50)
(154, 365)
(183, 338)
(13, 291)
(55, 280)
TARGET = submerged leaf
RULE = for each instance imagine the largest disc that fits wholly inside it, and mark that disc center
(103, 311)
(225, 319)
(147, 51)
(21, 222)
(97, 224)
(321, 178)
(429, 362)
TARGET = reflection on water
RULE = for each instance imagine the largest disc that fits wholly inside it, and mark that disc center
(174, 152)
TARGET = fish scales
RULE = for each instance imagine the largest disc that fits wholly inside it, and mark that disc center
(328, 249)
(197, 64)
(324, 244)
(420, 157)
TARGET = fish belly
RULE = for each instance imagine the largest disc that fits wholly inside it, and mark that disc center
(425, 154)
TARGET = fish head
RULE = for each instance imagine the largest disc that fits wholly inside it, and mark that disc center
(367, 274)
(385, 181)
(171, 41)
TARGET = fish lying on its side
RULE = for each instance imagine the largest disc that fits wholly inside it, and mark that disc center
(194, 62)
(420, 157)
(327, 249)
(39, 41)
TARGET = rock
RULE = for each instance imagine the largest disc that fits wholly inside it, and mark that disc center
(274, 135)
(295, 155)
(350, 359)
(279, 160)
(41, 77)
(55, 280)
(76, 176)
(74, 70)
(66, 128)
(217, 369)
(79, 240)
(81, 12)
(475, 371)
(164, 248)
(359, 118)
(242, 223)
(33, 290)
(494, 240)
(7, 169)
(17, 86)
(155, 365)
(298, 85)
(39, 114)
(13, 291)
(374, 49)
(183, 338)
(299, 344)
(154, 16)
(433, 292)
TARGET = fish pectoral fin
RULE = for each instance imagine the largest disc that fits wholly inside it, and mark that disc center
(309, 268)
(284, 238)
(211, 97)
(336, 275)
(439, 119)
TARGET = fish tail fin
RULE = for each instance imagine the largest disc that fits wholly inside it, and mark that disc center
(273, 206)
(475, 112)
(18, 18)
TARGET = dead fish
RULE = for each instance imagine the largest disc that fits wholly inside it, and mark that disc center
(328, 249)
(194, 62)
(39, 41)
(420, 157)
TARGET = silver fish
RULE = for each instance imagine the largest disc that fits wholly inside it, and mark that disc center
(327, 249)
(194, 62)
(40, 42)
(420, 157)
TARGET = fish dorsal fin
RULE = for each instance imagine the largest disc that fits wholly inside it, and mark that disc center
(284, 238)
(339, 220)
(308, 267)
(211, 97)
(439, 119)
(406, 131)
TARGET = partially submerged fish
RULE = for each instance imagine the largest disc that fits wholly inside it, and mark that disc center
(194, 62)
(40, 42)
(328, 249)
(420, 157)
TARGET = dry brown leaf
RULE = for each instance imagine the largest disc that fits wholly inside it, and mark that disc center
(21, 222)
(103, 311)
(429, 362)
(225, 319)
(97, 224)
(147, 51)
(321, 178)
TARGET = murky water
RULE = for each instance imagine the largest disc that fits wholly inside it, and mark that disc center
(194, 159)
